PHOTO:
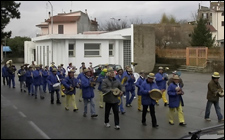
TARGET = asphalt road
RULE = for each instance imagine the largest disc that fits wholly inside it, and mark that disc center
(23, 117)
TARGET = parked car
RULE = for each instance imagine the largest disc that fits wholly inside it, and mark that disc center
(98, 68)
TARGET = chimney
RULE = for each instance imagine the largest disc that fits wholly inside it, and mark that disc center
(95, 19)
(70, 11)
(85, 11)
(49, 13)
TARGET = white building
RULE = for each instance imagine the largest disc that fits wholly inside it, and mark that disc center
(105, 48)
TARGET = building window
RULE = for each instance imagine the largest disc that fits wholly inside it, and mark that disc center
(127, 52)
(111, 52)
(44, 55)
(222, 14)
(40, 56)
(37, 56)
(210, 14)
(222, 23)
(71, 50)
(92, 49)
(34, 52)
(60, 29)
(47, 55)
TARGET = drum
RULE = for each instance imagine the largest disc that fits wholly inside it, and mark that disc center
(155, 94)
(56, 86)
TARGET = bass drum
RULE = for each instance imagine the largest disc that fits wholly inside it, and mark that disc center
(136, 75)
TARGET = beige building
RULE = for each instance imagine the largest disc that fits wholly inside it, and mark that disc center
(68, 23)
(215, 16)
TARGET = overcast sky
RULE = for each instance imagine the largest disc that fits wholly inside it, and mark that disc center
(35, 12)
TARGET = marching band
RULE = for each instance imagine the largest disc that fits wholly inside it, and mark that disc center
(150, 89)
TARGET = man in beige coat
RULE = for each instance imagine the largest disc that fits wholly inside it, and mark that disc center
(214, 92)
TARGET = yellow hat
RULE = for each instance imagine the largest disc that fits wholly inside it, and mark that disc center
(216, 75)
(86, 70)
(176, 77)
(104, 70)
(130, 69)
(54, 70)
(151, 75)
(160, 68)
(73, 71)
(110, 70)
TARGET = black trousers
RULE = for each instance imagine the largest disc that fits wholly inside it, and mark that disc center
(152, 113)
(52, 95)
(7, 80)
(115, 109)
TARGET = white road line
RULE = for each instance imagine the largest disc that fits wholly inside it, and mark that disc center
(39, 130)
(23, 115)
(15, 107)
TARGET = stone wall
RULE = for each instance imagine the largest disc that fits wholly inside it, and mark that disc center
(144, 48)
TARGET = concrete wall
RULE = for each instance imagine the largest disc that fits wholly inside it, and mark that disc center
(144, 47)
(28, 51)
(83, 24)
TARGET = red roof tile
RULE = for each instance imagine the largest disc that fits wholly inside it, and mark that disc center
(62, 19)
(211, 28)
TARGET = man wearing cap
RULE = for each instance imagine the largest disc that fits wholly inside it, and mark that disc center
(70, 67)
(61, 77)
(52, 66)
(130, 87)
(100, 78)
(161, 83)
(29, 81)
(64, 70)
(171, 79)
(147, 101)
(5, 74)
(88, 93)
(176, 102)
(119, 77)
(45, 75)
(79, 77)
(11, 73)
(111, 101)
(91, 69)
(53, 79)
(82, 67)
(138, 84)
(213, 95)
(22, 78)
(70, 83)
(37, 75)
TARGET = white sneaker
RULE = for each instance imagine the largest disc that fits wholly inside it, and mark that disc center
(107, 125)
(124, 97)
(117, 127)
(207, 119)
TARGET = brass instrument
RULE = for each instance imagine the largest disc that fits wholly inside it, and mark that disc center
(21, 73)
(93, 82)
(124, 80)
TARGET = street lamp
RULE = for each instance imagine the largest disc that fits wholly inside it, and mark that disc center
(52, 16)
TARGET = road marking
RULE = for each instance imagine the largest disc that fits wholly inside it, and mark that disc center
(15, 107)
(38, 129)
(23, 115)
